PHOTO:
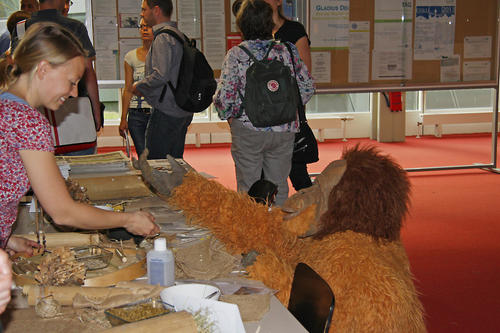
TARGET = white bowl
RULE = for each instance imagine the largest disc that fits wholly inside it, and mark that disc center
(179, 296)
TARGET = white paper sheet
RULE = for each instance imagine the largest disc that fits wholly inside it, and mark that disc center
(434, 29)
(321, 67)
(106, 64)
(225, 316)
(477, 47)
(103, 8)
(105, 33)
(128, 6)
(359, 64)
(450, 69)
(329, 23)
(477, 70)
(391, 65)
(188, 19)
(393, 9)
(214, 32)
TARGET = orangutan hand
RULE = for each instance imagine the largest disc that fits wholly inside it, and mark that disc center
(162, 181)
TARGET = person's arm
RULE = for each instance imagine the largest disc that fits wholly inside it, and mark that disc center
(162, 54)
(51, 191)
(90, 79)
(304, 51)
(303, 76)
(126, 96)
(5, 280)
(227, 101)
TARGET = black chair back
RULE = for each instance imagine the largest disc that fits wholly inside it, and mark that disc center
(311, 300)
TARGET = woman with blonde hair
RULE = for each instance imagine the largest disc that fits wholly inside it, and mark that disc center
(45, 70)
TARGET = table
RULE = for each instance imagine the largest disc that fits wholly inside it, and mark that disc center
(278, 319)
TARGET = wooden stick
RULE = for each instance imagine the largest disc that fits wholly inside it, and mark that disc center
(65, 295)
(72, 239)
(175, 322)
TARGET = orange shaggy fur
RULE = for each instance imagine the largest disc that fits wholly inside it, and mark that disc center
(370, 277)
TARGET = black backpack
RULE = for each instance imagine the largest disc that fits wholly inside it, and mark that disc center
(196, 83)
(271, 95)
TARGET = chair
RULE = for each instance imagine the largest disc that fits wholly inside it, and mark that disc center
(311, 300)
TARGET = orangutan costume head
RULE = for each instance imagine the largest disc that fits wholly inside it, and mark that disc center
(365, 192)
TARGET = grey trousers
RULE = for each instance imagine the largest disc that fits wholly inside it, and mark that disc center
(255, 152)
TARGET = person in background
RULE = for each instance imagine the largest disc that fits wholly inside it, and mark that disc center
(136, 107)
(4, 42)
(29, 6)
(294, 32)
(45, 70)
(167, 127)
(15, 18)
(256, 150)
(50, 11)
(12, 21)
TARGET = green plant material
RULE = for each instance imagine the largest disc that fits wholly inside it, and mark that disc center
(203, 322)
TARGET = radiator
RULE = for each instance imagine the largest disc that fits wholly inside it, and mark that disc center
(437, 119)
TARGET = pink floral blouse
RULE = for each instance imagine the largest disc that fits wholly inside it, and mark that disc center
(21, 128)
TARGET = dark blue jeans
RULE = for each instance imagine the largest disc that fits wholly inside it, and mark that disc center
(137, 124)
(166, 135)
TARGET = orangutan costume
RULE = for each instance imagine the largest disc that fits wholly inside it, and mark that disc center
(352, 214)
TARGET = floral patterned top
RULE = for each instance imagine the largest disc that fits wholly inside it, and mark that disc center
(21, 128)
(232, 81)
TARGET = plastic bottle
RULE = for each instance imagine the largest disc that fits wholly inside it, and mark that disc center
(160, 261)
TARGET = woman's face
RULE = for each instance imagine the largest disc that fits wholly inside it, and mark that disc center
(146, 31)
(59, 82)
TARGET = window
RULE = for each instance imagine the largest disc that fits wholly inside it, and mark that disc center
(456, 100)
(338, 103)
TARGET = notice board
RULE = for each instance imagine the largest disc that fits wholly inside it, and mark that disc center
(377, 45)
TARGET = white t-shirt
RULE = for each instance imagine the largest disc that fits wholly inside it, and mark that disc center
(138, 74)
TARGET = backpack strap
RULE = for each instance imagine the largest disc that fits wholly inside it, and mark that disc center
(247, 51)
(287, 44)
(171, 33)
(301, 109)
(180, 40)
(250, 54)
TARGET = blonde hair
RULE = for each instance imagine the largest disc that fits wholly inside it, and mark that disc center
(42, 41)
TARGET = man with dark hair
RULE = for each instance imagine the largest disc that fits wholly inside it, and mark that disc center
(167, 127)
(51, 11)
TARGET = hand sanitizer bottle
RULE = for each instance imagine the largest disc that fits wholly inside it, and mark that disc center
(161, 267)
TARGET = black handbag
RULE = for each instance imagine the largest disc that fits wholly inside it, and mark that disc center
(305, 147)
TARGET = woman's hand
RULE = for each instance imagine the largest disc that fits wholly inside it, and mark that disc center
(5, 280)
(142, 223)
(19, 244)
(123, 128)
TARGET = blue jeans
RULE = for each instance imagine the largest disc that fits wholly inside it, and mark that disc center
(137, 124)
(166, 135)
